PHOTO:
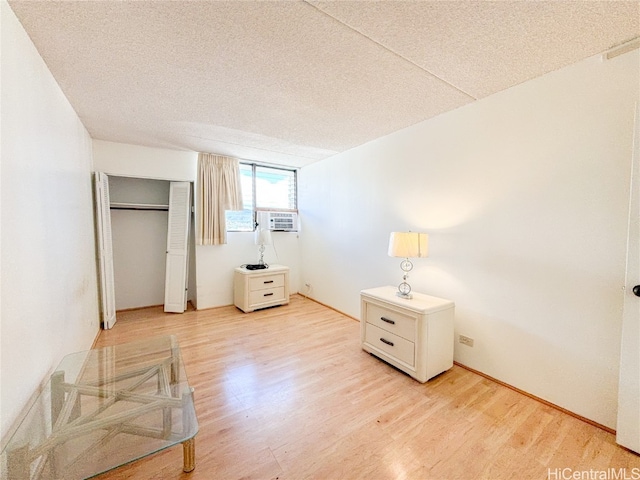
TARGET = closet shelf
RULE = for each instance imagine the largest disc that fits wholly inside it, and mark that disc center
(137, 206)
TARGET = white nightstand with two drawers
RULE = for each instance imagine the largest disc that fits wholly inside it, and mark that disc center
(255, 289)
(415, 335)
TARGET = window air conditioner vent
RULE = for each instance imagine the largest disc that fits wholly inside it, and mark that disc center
(281, 221)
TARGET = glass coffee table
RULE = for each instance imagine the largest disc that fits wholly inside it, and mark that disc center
(103, 408)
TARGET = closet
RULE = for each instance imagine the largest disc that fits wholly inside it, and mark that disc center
(144, 238)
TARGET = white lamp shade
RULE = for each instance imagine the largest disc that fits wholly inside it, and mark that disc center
(408, 244)
(263, 236)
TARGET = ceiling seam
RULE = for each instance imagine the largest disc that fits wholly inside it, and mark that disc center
(389, 50)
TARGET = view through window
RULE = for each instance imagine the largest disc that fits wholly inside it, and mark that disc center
(263, 188)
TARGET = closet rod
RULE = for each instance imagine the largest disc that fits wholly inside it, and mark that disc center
(138, 206)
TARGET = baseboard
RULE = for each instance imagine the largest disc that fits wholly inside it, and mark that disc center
(138, 308)
(541, 400)
(329, 307)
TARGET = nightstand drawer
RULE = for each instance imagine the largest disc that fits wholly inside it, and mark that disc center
(391, 344)
(266, 282)
(392, 321)
(266, 295)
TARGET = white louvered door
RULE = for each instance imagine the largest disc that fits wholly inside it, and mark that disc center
(175, 289)
(105, 251)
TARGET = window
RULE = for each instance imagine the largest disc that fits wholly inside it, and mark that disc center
(263, 188)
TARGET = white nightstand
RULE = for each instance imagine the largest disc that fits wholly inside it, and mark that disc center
(413, 335)
(254, 289)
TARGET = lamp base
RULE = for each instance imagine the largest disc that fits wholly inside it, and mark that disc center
(406, 296)
(404, 289)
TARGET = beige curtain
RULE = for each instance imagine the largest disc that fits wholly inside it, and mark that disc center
(219, 190)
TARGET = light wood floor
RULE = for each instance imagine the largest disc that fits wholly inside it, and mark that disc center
(287, 393)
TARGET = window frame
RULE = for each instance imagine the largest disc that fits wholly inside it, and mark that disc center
(255, 209)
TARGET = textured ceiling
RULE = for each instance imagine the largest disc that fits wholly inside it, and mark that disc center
(292, 82)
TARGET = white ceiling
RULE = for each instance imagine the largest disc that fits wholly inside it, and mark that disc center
(291, 82)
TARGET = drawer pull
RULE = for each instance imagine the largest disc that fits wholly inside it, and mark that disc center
(268, 281)
(268, 294)
(388, 320)
(383, 340)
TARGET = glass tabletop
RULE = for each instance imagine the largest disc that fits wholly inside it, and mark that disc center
(103, 408)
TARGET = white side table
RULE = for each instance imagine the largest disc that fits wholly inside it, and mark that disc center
(415, 336)
(255, 289)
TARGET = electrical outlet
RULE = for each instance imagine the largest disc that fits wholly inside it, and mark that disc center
(465, 340)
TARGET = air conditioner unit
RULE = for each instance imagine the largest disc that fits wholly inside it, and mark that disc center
(279, 221)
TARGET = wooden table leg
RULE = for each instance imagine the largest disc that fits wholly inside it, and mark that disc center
(189, 454)
(188, 417)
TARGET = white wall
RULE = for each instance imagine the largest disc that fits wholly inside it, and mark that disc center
(48, 270)
(213, 264)
(525, 197)
(144, 162)
(217, 262)
(139, 257)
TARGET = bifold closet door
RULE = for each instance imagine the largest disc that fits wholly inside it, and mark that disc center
(105, 251)
(175, 290)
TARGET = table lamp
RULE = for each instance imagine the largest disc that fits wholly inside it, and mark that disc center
(407, 245)
(263, 237)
